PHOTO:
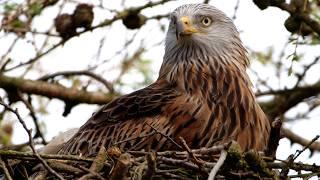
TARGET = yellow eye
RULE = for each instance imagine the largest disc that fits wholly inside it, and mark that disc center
(206, 21)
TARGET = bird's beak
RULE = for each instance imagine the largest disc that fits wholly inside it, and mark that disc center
(184, 27)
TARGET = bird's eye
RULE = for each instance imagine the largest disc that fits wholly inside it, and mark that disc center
(206, 21)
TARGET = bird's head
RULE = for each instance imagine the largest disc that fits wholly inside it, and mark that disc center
(201, 28)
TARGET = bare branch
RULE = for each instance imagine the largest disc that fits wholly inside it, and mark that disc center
(54, 91)
(306, 147)
(302, 16)
(220, 162)
(29, 131)
(164, 135)
(107, 84)
(315, 146)
(5, 169)
(286, 99)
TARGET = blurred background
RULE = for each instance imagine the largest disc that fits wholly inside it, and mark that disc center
(61, 59)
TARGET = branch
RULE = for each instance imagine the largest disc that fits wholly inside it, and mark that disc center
(32, 60)
(315, 146)
(302, 16)
(220, 162)
(31, 143)
(165, 135)
(107, 84)
(28, 155)
(286, 99)
(295, 166)
(121, 168)
(5, 170)
(299, 152)
(275, 136)
(309, 88)
(29, 106)
(54, 90)
(119, 15)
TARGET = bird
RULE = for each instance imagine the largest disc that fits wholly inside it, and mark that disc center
(202, 95)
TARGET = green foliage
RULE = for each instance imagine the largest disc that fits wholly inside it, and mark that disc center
(35, 9)
(17, 23)
(315, 41)
(6, 130)
(8, 7)
(264, 56)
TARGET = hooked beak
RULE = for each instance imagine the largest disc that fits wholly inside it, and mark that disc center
(184, 27)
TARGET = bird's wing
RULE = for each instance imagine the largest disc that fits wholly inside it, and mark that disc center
(145, 102)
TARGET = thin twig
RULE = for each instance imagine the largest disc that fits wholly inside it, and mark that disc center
(91, 174)
(31, 144)
(166, 136)
(306, 147)
(5, 169)
(32, 60)
(295, 138)
(197, 161)
(33, 116)
(133, 138)
(236, 7)
(220, 162)
(107, 84)
(27, 155)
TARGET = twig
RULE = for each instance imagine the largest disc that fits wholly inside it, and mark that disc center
(302, 16)
(27, 155)
(91, 174)
(62, 166)
(34, 117)
(315, 146)
(220, 162)
(178, 162)
(55, 90)
(158, 17)
(107, 22)
(121, 168)
(166, 136)
(133, 138)
(284, 172)
(99, 160)
(236, 7)
(151, 169)
(305, 70)
(197, 161)
(305, 176)
(274, 138)
(107, 84)
(5, 170)
(31, 144)
(212, 150)
(16, 147)
(169, 175)
(306, 147)
(32, 60)
(293, 166)
(5, 55)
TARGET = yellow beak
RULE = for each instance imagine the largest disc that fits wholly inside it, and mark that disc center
(184, 27)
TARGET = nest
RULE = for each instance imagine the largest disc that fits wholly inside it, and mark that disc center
(217, 162)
